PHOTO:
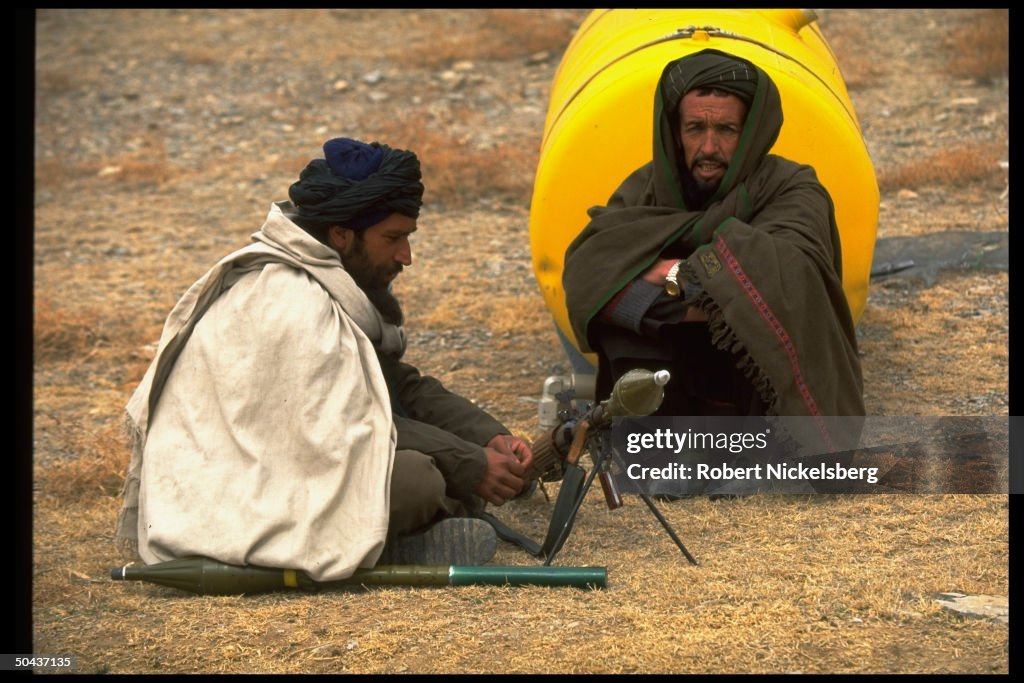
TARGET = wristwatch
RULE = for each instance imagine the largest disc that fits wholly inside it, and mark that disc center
(672, 280)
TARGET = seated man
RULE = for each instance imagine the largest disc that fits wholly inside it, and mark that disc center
(278, 426)
(718, 261)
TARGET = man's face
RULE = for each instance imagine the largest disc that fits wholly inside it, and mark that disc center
(375, 256)
(709, 131)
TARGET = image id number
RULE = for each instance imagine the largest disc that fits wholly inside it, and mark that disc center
(21, 662)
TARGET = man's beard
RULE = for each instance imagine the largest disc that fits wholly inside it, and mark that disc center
(374, 281)
(695, 193)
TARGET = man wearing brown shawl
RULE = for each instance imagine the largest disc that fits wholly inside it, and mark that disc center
(278, 424)
(718, 260)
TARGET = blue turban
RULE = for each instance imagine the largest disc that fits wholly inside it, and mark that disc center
(357, 185)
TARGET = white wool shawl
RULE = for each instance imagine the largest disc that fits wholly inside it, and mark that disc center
(266, 439)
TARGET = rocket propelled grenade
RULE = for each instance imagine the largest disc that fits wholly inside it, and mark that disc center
(639, 392)
(206, 576)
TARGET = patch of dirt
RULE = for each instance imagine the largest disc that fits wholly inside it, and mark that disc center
(162, 137)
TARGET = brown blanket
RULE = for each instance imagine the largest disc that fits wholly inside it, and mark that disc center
(765, 249)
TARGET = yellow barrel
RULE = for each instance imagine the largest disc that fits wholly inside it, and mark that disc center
(600, 116)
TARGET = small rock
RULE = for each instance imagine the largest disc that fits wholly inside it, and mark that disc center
(464, 65)
(906, 194)
(373, 77)
(340, 85)
(964, 102)
(538, 57)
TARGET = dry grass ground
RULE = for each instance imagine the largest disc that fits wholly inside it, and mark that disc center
(163, 135)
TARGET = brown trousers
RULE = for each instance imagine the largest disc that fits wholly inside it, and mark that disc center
(418, 494)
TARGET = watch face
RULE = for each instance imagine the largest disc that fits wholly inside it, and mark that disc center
(672, 288)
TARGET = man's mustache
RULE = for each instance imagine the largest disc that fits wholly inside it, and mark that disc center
(709, 157)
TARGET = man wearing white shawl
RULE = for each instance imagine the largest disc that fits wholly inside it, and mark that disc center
(277, 425)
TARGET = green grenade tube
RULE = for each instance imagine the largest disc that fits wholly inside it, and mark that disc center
(205, 576)
(395, 575)
(579, 577)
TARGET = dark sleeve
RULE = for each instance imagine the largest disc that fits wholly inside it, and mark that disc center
(424, 399)
(462, 464)
(643, 308)
(628, 308)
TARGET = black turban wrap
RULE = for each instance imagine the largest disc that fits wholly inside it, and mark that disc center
(357, 185)
(709, 69)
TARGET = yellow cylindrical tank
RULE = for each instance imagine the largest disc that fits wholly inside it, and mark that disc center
(600, 116)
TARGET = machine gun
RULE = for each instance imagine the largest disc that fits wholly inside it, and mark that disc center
(556, 454)
(638, 392)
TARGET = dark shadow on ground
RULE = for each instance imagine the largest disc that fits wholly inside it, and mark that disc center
(922, 257)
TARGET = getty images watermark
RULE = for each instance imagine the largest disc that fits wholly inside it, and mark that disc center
(740, 455)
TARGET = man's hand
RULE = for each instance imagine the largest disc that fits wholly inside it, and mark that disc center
(694, 315)
(657, 272)
(512, 445)
(656, 276)
(507, 460)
